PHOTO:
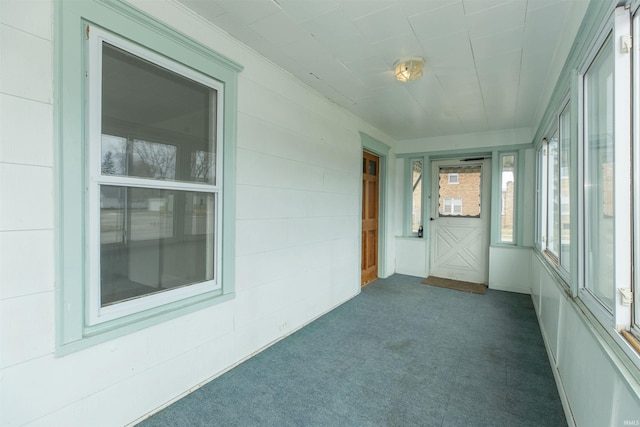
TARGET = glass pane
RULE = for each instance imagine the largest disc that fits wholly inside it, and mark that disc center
(155, 123)
(539, 180)
(416, 199)
(565, 190)
(373, 168)
(598, 176)
(508, 198)
(153, 240)
(462, 197)
(553, 194)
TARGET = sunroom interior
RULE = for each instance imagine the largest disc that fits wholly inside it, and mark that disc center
(185, 183)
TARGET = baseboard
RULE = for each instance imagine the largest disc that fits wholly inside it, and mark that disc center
(507, 288)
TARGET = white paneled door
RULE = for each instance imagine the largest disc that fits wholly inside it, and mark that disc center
(460, 206)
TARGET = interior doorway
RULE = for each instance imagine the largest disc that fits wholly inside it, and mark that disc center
(460, 220)
(370, 203)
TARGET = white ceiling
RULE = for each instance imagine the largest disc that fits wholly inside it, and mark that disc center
(490, 64)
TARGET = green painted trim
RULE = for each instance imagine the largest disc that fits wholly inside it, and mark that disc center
(596, 15)
(407, 203)
(408, 194)
(496, 200)
(72, 334)
(374, 145)
(477, 151)
(381, 150)
(427, 172)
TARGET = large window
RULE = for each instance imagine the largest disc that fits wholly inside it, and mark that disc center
(155, 186)
(145, 133)
(585, 182)
(553, 193)
(599, 220)
(564, 190)
(588, 188)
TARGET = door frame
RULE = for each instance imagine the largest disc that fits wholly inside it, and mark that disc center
(381, 150)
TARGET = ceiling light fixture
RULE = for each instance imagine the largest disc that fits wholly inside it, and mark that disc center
(408, 69)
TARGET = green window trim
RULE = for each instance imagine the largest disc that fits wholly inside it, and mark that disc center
(70, 19)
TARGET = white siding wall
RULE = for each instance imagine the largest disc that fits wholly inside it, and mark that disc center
(298, 236)
(591, 379)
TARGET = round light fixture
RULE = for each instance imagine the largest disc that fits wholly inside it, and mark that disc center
(408, 69)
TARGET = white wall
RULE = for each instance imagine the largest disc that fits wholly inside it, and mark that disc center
(509, 269)
(412, 256)
(298, 236)
(596, 388)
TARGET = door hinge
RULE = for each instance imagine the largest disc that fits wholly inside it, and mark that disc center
(626, 43)
(86, 32)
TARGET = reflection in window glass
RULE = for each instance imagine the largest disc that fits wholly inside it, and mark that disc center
(553, 194)
(152, 240)
(507, 166)
(462, 197)
(416, 195)
(155, 124)
(598, 176)
(203, 166)
(565, 189)
(149, 115)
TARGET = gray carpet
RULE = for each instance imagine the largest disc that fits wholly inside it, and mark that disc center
(399, 354)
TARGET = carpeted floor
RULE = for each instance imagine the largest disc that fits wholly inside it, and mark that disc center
(399, 354)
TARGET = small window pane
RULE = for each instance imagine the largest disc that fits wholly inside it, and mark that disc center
(152, 240)
(416, 196)
(565, 190)
(373, 168)
(553, 195)
(155, 123)
(461, 198)
(539, 195)
(598, 177)
(508, 197)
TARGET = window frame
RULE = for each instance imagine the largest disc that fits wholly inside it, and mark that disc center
(554, 136)
(502, 200)
(412, 161)
(544, 195)
(96, 313)
(73, 331)
(540, 202)
(618, 316)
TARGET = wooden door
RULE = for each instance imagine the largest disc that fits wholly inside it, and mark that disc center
(460, 220)
(370, 179)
